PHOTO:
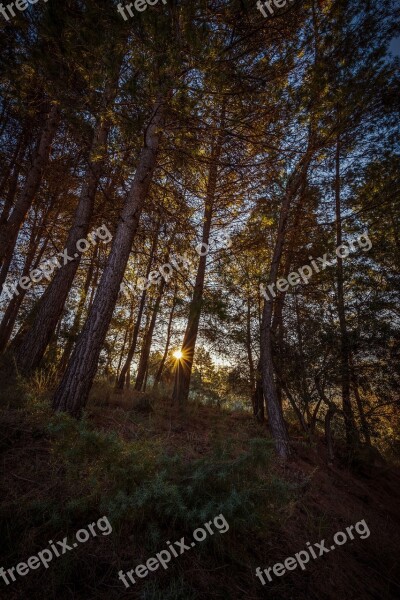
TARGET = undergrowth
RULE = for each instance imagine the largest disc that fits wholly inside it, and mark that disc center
(139, 484)
(148, 494)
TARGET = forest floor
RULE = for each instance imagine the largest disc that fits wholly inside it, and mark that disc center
(58, 476)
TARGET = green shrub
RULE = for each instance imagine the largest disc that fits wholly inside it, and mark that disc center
(137, 483)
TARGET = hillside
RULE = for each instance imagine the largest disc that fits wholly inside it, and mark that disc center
(58, 477)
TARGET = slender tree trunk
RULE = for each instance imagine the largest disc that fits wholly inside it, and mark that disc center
(258, 396)
(294, 228)
(4, 117)
(275, 414)
(258, 400)
(12, 190)
(11, 313)
(146, 347)
(146, 377)
(110, 347)
(124, 375)
(314, 415)
(73, 333)
(277, 327)
(160, 369)
(332, 410)
(128, 378)
(184, 366)
(9, 232)
(328, 433)
(126, 340)
(303, 369)
(95, 281)
(36, 340)
(351, 431)
(363, 419)
(249, 350)
(72, 392)
(125, 371)
(293, 404)
(395, 232)
(121, 354)
(10, 178)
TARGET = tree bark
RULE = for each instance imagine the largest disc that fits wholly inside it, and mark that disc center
(9, 232)
(10, 178)
(73, 333)
(363, 418)
(31, 263)
(332, 410)
(258, 396)
(125, 371)
(275, 414)
(160, 369)
(146, 346)
(72, 392)
(127, 336)
(184, 366)
(350, 426)
(328, 433)
(249, 349)
(49, 311)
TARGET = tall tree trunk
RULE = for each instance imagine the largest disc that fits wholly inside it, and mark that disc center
(36, 340)
(73, 333)
(274, 409)
(363, 418)
(10, 178)
(258, 401)
(275, 415)
(72, 392)
(293, 404)
(258, 396)
(124, 375)
(121, 354)
(184, 366)
(328, 433)
(146, 377)
(160, 369)
(9, 232)
(302, 363)
(95, 280)
(5, 116)
(125, 371)
(277, 328)
(146, 346)
(332, 410)
(350, 426)
(249, 349)
(31, 263)
(127, 336)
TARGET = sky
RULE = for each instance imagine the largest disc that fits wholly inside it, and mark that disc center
(395, 46)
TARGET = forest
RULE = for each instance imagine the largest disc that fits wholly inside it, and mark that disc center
(199, 310)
